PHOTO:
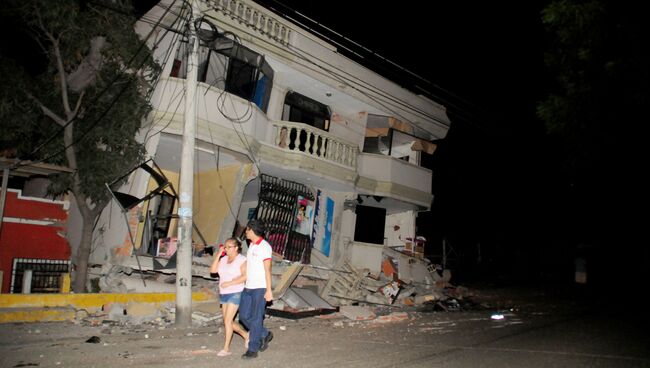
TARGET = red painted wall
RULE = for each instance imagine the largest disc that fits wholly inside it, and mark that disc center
(29, 240)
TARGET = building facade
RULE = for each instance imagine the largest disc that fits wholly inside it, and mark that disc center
(324, 150)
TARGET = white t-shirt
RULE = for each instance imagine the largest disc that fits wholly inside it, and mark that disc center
(255, 257)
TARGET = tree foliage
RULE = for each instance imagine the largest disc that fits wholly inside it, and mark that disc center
(599, 55)
(82, 104)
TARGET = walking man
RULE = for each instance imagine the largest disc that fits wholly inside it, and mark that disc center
(257, 290)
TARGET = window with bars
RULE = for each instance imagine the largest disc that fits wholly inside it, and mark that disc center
(46, 274)
(278, 207)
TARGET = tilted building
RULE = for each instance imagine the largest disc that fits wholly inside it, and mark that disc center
(324, 150)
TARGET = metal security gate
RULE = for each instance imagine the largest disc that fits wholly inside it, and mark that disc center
(46, 274)
(278, 207)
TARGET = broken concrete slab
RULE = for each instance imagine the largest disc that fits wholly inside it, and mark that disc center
(392, 317)
(357, 313)
(287, 279)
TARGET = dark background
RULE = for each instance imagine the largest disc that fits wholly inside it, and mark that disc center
(506, 203)
(501, 196)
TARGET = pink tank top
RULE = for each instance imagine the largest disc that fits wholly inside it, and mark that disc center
(230, 271)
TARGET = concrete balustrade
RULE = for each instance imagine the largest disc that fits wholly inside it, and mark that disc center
(314, 142)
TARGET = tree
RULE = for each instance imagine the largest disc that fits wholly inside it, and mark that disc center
(83, 105)
(599, 55)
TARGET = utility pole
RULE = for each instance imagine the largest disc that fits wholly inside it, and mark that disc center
(186, 187)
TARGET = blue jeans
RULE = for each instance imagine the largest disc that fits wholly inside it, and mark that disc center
(251, 315)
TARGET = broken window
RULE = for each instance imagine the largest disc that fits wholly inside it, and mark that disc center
(159, 211)
(157, 221)
(231, 67)
(388, 136)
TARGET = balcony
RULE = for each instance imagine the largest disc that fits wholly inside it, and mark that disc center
(297, 151)
(298, 137)
(390, 177)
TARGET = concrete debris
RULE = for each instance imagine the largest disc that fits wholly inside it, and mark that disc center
(401, 287)
(357, 313)
(134, 284)
(138, 313)
(403, 281)
(114, 311)
(392, 317)
(401, 284)
(110, 280)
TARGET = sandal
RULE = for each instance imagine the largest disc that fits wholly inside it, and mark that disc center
(223, 353)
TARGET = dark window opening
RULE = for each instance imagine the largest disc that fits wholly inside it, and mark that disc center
(302, 109)
(369, 227)
(241, 79)
(232, 68)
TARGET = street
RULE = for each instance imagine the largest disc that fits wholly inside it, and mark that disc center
(542, 332)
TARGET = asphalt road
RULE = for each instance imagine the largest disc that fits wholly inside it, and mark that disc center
(540, 331)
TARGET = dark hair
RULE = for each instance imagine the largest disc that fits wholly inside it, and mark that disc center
(257, 226)
(236, 241)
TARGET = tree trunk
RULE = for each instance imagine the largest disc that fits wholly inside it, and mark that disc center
(83, 253)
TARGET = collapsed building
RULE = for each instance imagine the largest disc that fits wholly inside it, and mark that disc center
(289, 131)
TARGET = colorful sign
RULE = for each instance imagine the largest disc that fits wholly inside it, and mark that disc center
(323, 218)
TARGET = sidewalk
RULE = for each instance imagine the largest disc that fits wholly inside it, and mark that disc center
(66, 307)
(64, 344)
(533, 335)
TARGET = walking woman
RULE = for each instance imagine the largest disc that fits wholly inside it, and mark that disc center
(231, 266)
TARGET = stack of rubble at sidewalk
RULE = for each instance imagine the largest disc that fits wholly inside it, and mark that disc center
(156, 314)
(404, 282)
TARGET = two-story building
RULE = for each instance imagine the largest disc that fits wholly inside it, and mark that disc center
(324, 150)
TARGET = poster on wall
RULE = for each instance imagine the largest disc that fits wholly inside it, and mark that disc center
(323, 218)
(304, 217)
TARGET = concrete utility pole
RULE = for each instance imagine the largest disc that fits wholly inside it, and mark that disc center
(184, 251)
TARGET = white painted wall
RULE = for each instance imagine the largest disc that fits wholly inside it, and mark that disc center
(367, 255)
(389, 169)
(399, 226)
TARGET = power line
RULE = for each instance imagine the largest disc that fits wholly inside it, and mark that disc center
(363, 49)
(349, 80)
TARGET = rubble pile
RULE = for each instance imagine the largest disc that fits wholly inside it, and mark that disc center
(405, 282)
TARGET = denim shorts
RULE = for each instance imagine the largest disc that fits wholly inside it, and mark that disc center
(232, 298)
